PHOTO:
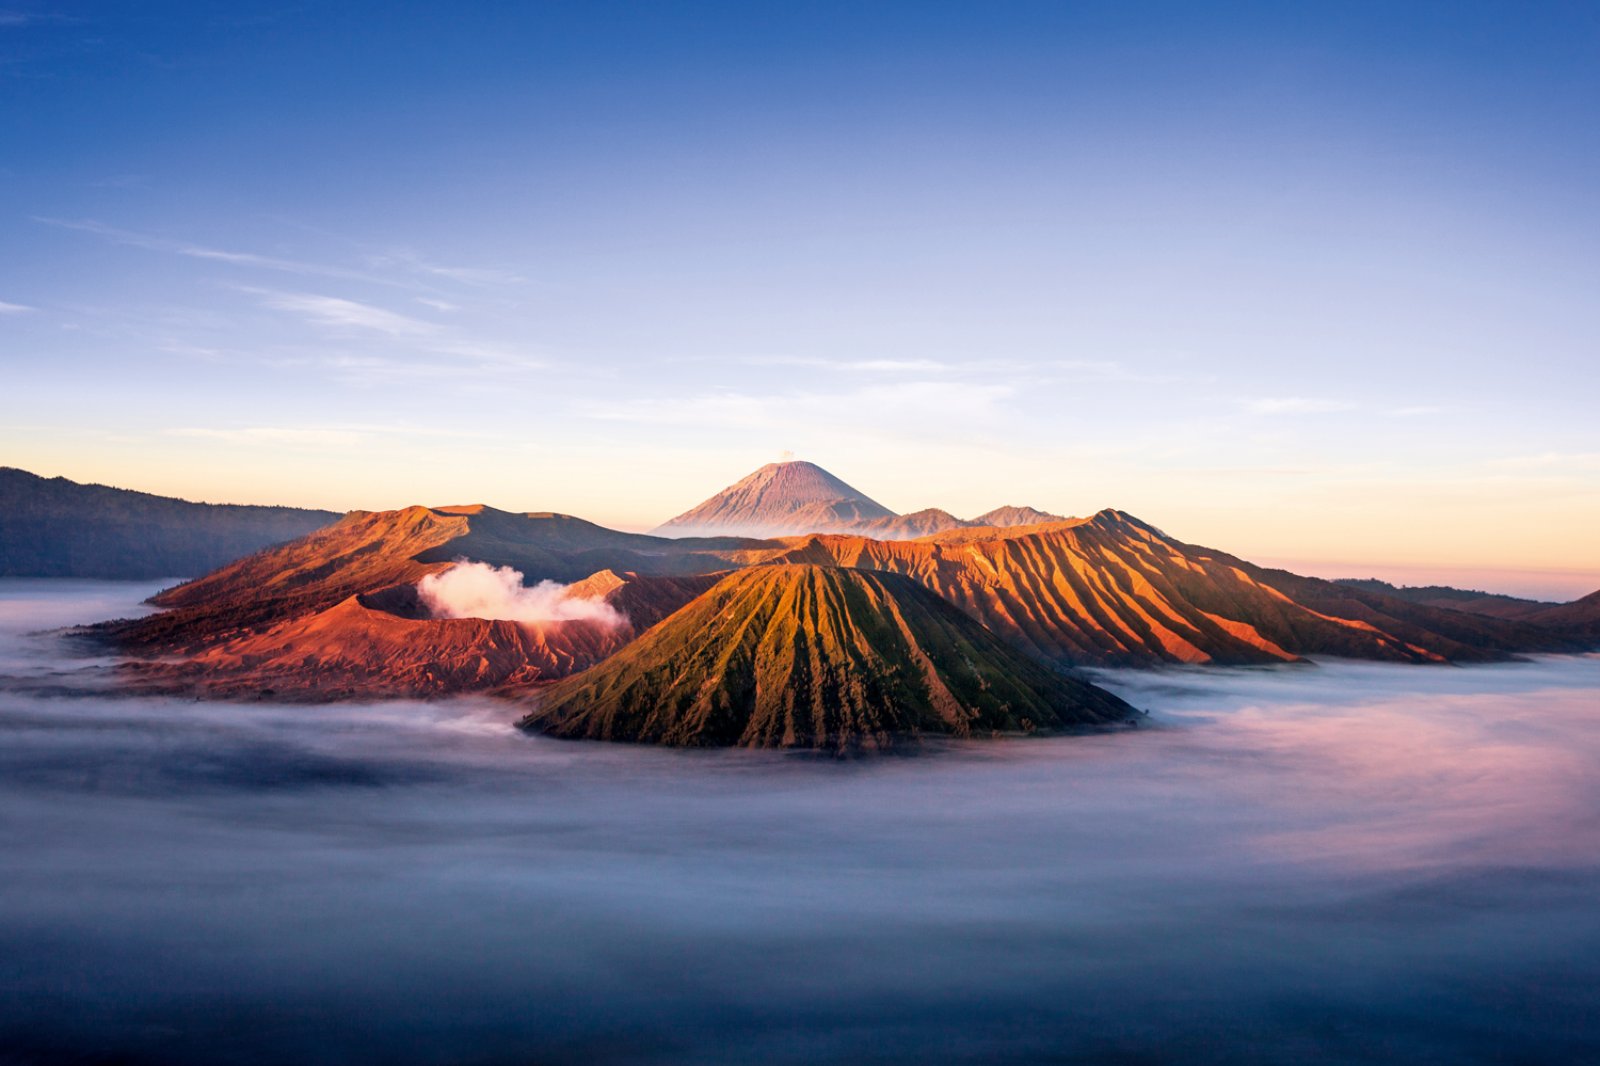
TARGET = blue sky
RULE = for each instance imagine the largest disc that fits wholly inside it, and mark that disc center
(1314, 285)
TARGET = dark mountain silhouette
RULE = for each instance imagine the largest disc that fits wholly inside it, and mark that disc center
(1487, 603)
(1581, 617)
(52, 527)
(817, 657)
(1578, 619)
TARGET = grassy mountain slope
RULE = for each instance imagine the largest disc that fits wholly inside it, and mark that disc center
(817, 657)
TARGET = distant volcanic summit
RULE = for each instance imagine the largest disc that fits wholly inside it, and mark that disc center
(782, 499)
(793, 497)
(818, 657)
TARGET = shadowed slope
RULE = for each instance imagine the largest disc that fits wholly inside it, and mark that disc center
(1579, 619)
(816, 657)
(1580, 616)
(1473, 601)
(52, 527)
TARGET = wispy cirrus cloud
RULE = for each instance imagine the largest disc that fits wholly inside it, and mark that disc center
(15, 309)
(429, 340)
(344, 314)
(416, 263)
(1295, 405)
(190, 250)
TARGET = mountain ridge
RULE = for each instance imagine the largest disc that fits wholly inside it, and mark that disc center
(56, 527)
(1108, 590)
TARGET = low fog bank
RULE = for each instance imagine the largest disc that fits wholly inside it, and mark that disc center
(1332, 864)
(34, 611)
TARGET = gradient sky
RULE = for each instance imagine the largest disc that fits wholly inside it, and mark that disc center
(1311, 283)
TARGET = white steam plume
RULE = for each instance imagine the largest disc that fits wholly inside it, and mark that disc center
(478, 590)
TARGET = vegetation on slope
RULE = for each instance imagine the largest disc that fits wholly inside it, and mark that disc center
(817, 657)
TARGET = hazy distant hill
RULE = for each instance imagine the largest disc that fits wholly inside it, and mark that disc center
(1009, 516)
(1580, 618)
(52, 527)
(1492, 604)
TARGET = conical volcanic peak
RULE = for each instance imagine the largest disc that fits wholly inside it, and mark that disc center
(778, 499)
(817, 657)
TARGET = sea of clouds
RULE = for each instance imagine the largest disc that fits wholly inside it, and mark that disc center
(1341, 863)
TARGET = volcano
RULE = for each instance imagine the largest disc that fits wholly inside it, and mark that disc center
(817, 657)
(792, 497)
(1109, 590)
(783, 499)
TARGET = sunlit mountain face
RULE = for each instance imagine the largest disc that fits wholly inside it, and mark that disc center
(431, 601)
(821, 657)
